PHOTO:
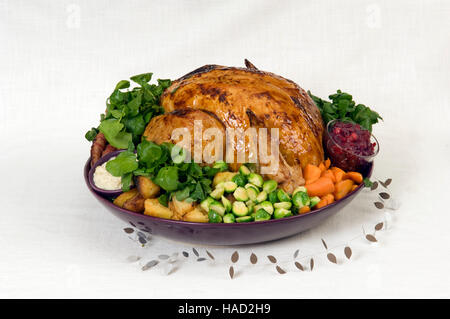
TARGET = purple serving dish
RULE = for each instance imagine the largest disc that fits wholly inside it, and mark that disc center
(225, 234)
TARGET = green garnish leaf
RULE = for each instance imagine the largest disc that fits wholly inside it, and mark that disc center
(117, 114)
(126, 181)
(130, 147)
(142, 79)
(135, 125)
(117, 97)
(148, 116)
(124, 163)
(121, 140)
(142, 172)
(367, 182)
(195, 170)
(164, 83)
(210, 172)
(198, 193)
(206, 185)
(114, 133)
(134, 104)
(124, 84)
(91, 134)
(167, 178)
(221, 165)
(149, 152)
(129, 110)
(182, 194)
(164, 200)
(343, 107)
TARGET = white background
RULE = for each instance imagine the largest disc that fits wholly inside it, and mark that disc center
(60, 59)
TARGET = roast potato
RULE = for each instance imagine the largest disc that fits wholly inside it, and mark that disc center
(122, 198)
(155, 209)
(223, 177)
(146, 187)
(135, 204)
(180, 207)
(196, 215)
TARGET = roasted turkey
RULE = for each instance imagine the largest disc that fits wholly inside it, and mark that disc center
(241, 98)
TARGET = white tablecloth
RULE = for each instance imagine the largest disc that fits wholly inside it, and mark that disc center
(60, 59)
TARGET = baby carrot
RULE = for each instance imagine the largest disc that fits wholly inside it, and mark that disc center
(320, 187)
(328, 173)
(304, 209)
(327, 163)
(322, 203)
(329, 198)
(343, 188)
(354, 187)
(322, 167)
(311, 173)
(338, 173)
(354, 176)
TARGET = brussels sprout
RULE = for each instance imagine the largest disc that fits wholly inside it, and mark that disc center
(248, 185)
(220, 185)
(214, 217)
(230, 187)
(244, 219)
(217, 207)
(229, 218)
(300, 199)
(244, 170)
(261, 197)
(281, 213)
(252, 193)
(256, 179)
(239, 209)
(205, 203)
(269, 186)
(239, 179)
(250, 205)
(299, 189)
(261, 215)
(273, 198)
(241, 194)
(217, 193)
(267, 206)
(227, 204)
(221, 165)
(314, 201)
(283, 196)
(285, 205)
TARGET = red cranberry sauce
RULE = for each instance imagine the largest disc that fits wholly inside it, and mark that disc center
(353, 138)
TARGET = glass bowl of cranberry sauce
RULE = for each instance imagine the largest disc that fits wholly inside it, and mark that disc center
(349, 146)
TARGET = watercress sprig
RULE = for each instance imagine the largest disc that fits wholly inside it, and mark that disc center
(129, 110)
(343, 107)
